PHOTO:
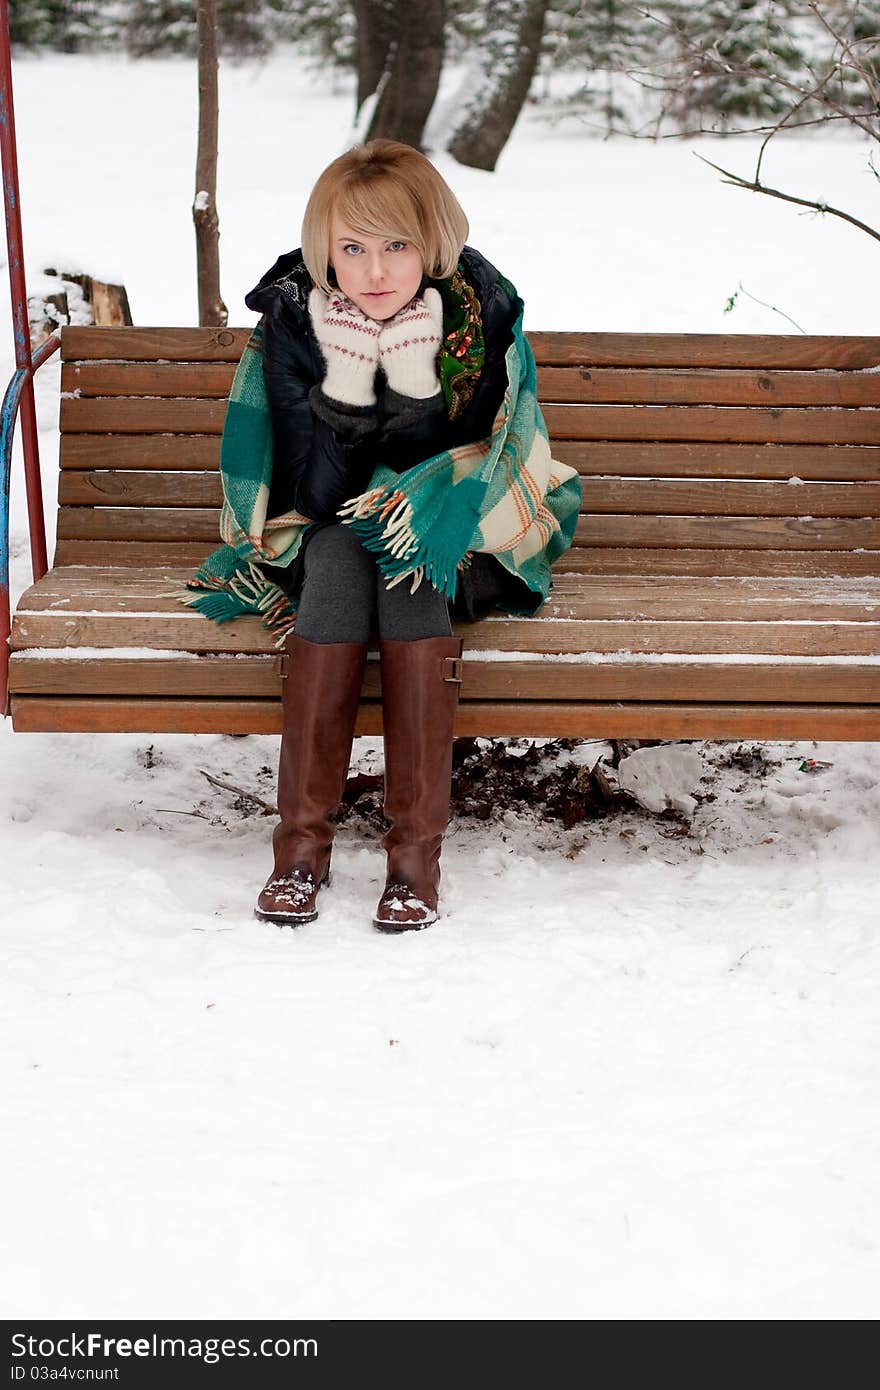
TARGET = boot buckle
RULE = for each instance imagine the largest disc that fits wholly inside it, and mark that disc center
(456, 663)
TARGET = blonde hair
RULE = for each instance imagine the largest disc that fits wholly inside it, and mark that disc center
(388, 189)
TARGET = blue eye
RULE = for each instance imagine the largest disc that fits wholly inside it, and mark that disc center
(352, 246)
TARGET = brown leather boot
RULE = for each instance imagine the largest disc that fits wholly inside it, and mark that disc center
(421, 682)
(320, 696)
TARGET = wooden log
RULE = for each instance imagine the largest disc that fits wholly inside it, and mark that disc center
(110, 306)
(46, 314)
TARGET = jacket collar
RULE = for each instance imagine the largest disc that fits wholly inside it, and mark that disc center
(289, 280)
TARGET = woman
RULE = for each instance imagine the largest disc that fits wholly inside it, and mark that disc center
(384, 339)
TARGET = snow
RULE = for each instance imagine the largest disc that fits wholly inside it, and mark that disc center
(632, 1070)
(664, 776)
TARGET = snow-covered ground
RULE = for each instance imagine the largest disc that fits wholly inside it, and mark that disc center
(632, 1072)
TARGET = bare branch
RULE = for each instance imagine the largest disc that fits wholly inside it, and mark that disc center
(865, 119)
(756, 187)
(741, 288)
(239, 791)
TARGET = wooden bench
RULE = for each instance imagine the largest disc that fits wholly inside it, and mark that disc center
(724, 581)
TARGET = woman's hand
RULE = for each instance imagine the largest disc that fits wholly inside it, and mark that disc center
(408, 346)
(349, 342)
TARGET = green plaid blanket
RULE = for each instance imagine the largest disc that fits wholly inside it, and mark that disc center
(504, 495)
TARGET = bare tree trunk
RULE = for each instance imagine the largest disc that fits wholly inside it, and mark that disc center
(509, 55)
(409, 40)
(376, 27)
(212, 310)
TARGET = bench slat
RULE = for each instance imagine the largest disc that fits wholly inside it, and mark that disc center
(85, 342)
(141, 451)
(609, 529)
(639, 385)
(706, 350)
(704, 497)
(256, 676)
(577, 560)
(736, 532)
(715, 497)
(691, 560)
(746, 424)
(122, 488)
(155, 523)
(657, 386)
(830, 462)
(67, 590)
(795, 351)
(207, 379)
(580, 559)
(142, 415)
(138, 553)
(536, 719)
(749, 424)
(189, 631)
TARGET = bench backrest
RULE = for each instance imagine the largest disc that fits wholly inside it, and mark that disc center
(699, 453)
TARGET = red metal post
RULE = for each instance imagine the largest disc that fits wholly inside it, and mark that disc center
(18, 289)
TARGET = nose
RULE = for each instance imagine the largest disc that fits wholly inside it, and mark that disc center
(376, 271)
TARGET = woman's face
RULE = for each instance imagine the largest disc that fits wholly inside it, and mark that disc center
(380, 275)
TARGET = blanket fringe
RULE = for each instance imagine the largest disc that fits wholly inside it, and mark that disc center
(248, 591)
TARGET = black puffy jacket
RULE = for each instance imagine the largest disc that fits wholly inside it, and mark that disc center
(323, 456)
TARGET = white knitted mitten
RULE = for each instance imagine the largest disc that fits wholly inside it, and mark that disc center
(408, 346)
(349, 342)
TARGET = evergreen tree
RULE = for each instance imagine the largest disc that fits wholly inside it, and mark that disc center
(730, 54)
(853, 72)
(866, 34)
(246, 28)
(69, 26)
(25, 23)
(161, 26)
(323, 29)
(603, 39)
